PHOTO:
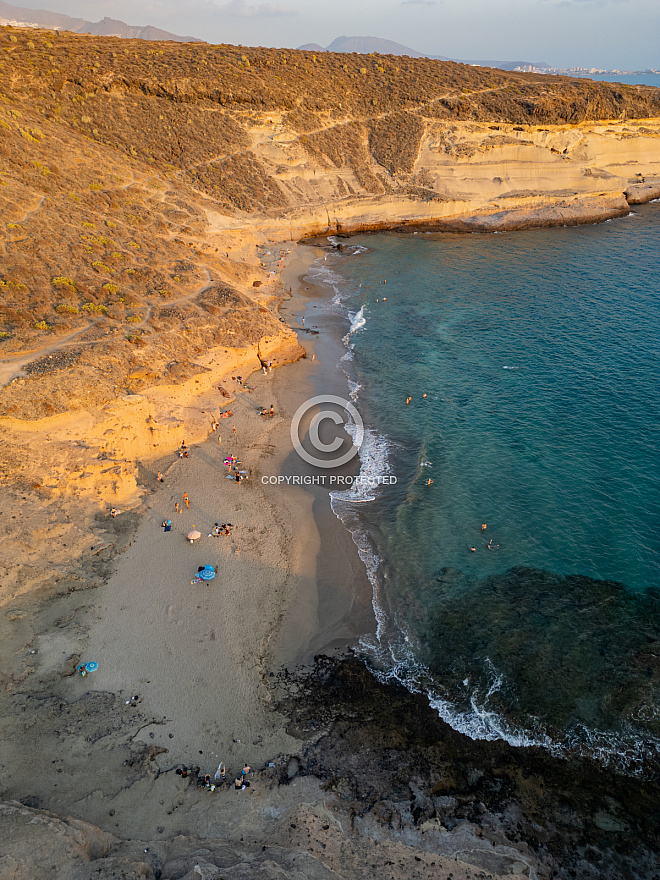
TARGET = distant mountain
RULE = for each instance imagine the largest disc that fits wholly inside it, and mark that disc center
(365, 45)
(20, 15)
(312, 47)
(113, 27)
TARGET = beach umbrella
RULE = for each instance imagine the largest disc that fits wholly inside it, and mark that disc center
(207, 573)
(194, 535)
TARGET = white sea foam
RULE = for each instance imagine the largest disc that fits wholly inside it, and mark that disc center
(374, 464)
(358, 321)
(392, 657)
(391, 652)
(320, 273)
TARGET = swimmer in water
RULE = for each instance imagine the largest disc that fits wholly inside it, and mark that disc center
(408, 399)
(473, 549)
(429, 482)
(483, 527)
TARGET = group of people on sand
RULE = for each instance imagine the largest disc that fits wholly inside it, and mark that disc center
(267, 413)
(224, 529)
(235, 473)
(241, 381)
(219, 779)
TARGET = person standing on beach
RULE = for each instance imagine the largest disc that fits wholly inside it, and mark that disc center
(160, 477)
(186, 501)
(176, 507)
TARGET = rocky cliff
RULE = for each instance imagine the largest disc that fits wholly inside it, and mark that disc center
(135, 178)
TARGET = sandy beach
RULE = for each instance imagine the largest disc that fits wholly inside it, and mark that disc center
(199, 656)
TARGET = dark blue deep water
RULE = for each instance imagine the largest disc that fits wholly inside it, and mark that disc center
(539, 355)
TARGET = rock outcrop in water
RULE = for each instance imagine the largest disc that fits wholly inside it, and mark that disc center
(572, 652)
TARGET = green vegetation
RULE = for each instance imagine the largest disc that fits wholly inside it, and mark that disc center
(63, 281)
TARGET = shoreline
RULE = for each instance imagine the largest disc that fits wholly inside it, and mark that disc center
(344, 611)
(199, 658)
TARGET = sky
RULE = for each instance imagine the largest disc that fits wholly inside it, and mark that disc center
(611, 34)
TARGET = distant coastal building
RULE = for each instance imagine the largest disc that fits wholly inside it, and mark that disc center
(5, 22)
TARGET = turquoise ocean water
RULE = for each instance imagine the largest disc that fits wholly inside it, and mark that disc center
(539, 355)
(632, 79)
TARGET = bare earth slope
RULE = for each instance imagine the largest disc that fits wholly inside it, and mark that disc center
(125, 166)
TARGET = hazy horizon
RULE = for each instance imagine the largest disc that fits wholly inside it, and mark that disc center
(609, 34)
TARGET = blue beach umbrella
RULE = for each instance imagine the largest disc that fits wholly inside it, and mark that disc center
(207, 573)
(92, 666)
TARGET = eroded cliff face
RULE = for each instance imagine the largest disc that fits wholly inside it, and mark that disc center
(136, 179)
(462, 175)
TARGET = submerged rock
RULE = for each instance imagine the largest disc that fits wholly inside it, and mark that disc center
(572, 652)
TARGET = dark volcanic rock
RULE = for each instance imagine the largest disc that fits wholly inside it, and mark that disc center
(385, 752)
